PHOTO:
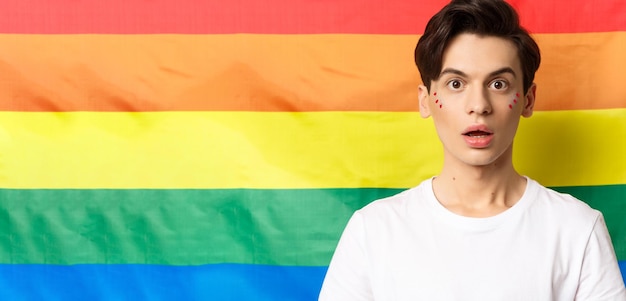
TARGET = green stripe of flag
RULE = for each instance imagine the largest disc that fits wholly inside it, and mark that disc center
(176, 227)
(196, 226)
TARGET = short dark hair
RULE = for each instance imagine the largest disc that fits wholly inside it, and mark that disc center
(484, 18)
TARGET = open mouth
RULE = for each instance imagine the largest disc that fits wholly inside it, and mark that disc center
(477, 134)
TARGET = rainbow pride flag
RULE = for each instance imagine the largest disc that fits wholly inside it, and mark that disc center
(214, 150)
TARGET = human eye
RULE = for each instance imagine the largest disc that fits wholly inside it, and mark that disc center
(499, 84)
(454, 84)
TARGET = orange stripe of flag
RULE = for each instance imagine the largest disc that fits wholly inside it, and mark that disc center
(271, 72)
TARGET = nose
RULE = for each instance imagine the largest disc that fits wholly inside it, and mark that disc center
(478, 102)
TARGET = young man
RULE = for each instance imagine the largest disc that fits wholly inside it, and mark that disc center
(478, 230)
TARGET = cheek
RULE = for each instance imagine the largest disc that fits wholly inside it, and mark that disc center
(515, 99)
(438, 100)
(446, 119)
(508, 122)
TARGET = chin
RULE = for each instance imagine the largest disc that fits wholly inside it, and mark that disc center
(485, 159)
(478, 157)
(484, 163)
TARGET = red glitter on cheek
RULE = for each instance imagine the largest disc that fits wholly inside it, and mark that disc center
(437, 100)
(514, 101)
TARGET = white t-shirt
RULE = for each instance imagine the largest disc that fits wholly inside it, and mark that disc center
(548, 246)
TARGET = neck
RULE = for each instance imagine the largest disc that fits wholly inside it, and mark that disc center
(479, 191)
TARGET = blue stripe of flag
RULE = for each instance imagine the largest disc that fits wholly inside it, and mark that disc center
(159, 282)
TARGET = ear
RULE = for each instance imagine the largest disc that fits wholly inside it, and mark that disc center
(423, 101)
(529, 99)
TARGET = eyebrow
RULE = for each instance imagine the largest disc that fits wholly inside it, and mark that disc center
(492, 74)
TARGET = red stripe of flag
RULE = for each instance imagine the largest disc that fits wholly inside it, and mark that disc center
(283, 16)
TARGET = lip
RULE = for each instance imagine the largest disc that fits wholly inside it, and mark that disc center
(481, 141)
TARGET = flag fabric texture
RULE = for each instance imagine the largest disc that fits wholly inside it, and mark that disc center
(214, 150)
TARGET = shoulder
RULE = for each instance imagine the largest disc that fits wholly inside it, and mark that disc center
(399, 202)
(404, 210)
(562, 206)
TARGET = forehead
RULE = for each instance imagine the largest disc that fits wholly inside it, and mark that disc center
(479, 55)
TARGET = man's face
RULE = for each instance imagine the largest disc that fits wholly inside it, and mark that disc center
(477, 101)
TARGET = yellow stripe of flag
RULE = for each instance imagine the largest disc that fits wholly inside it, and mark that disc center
(284, 150)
